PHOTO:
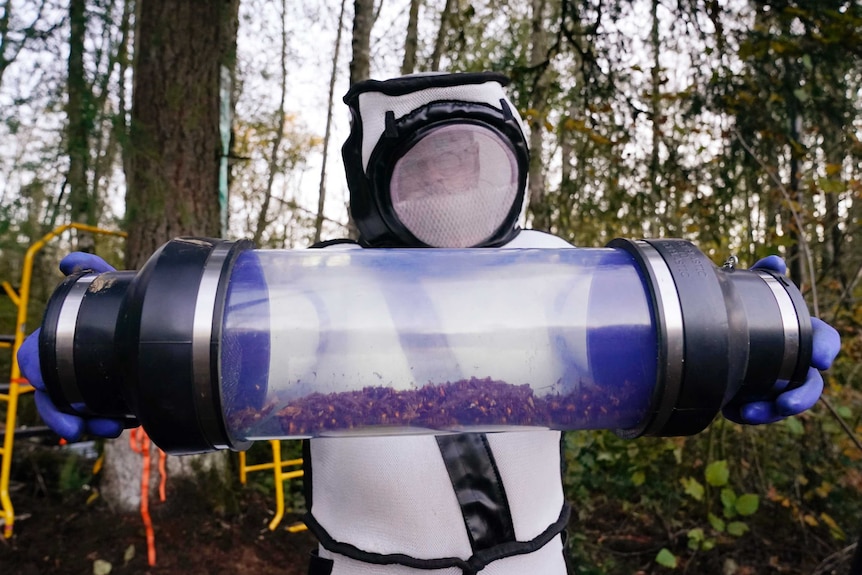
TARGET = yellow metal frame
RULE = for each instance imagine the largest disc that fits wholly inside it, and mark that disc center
(278, 468)
(17, 385)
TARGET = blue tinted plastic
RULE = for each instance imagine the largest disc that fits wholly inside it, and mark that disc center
(333, 342)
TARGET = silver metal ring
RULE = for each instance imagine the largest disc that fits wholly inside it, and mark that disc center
(202, 340)
(790, 323)
(673, 342)
(64, 344)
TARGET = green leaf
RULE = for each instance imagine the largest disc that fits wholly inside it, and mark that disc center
(728, 497)
(747, 504)
(716, 522)
(801, 94)
(665, 558)
(737, 528)
(717, 473)
(831, 186)
(693, 488)
(638, 478)
(794, 426)
(695, 538)
(101, 567)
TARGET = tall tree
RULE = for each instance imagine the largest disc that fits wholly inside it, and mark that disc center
(539, 207)
(411, 42)
(442, 32)
(175, 147)
(321, 190)
(263, 218)
(363, 22)
(79, 128)
(174, 141)
(360, 61)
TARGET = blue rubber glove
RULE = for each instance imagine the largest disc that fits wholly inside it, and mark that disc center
(826, 344)
(70, 427)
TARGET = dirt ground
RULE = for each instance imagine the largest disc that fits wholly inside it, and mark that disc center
(70, 532)
(52, 537)
(62, 528)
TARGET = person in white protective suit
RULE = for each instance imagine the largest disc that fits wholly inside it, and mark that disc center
(437, 161)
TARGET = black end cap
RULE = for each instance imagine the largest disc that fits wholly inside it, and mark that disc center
(687, 397)
(158, 331)
(89, 382)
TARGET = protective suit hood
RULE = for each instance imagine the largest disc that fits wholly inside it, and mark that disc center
(435, 160)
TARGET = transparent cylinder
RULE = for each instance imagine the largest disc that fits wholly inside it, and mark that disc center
(340, 342)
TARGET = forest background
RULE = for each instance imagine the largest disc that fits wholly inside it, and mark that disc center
(733, 124)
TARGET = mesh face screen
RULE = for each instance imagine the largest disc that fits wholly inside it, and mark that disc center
(455, 187)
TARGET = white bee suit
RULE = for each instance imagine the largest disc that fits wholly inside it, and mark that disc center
(439, 504)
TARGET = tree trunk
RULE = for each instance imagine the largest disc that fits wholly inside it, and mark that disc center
(360, 63)
(175, 141)
(834, 150)
(793, 214)
(262, 219)
(411, 43)
(657, 199)
(109, 137)
(363, 21)
(442, 31)
(321, 190)
(538, 202)
(172, 182)
(79, 114)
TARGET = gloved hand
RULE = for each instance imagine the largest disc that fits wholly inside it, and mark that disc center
(783, 403)
(70, 427)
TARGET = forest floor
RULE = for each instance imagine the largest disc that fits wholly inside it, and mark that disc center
(63, 528)
(54, 537)
(70, 532)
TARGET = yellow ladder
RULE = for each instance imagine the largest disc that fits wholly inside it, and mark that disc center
(281, 475)
(17, 385)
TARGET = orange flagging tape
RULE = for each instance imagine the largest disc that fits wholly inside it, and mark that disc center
(140, 443)
(163, 474)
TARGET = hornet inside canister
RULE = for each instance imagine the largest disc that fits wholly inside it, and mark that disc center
(214, 344)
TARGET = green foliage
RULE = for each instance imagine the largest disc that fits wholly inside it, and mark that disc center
(74, 474)
(693, 487)
(717, 473)
(769, 479)
(666, 559)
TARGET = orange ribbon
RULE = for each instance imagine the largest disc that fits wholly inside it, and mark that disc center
(140, 443)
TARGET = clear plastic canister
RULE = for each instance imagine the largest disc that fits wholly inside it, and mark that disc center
(213, 344)
(336, 342)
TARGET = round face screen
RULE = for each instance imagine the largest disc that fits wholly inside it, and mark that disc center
(455, 187)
